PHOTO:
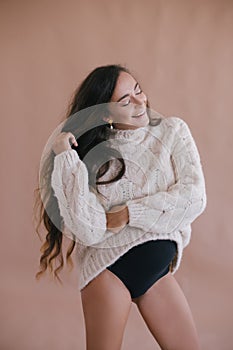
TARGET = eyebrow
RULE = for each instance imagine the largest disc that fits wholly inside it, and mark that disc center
(127, 94)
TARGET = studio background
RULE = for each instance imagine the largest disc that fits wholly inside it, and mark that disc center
(181, 52)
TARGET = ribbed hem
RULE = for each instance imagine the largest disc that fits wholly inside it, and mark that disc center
(98, 259)
(141, 218)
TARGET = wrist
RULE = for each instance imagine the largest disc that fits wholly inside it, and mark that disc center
(117, 217)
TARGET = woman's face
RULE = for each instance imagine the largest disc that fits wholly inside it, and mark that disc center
(129, 108)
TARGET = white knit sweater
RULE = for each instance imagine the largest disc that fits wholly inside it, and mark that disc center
(163, 187)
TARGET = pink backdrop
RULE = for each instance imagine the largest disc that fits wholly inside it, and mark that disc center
(182, 53)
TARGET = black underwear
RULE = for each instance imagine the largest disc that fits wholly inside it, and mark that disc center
(144, 264)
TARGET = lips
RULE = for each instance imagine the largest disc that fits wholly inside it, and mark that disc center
(139, 114)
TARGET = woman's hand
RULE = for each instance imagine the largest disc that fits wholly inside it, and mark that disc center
(63, 142)
(117, 218)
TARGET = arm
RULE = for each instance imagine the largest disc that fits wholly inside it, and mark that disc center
(117, 218)
(83, 214)
(184, 201)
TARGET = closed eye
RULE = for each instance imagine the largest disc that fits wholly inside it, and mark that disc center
(126, 104)
(139, 92)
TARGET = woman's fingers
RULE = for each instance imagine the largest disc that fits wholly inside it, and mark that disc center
(116, 230)
(63, 142)
(72, 139)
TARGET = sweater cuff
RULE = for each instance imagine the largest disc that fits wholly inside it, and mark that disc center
(70, 157)
(142, 217)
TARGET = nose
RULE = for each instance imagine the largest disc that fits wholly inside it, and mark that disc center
(139, 99)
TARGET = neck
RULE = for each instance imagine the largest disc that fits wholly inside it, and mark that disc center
(121, 126)
(136, 134)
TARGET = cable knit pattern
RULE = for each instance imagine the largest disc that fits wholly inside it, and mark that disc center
(163, 187)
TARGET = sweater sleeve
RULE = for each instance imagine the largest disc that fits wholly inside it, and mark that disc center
(185, 200)
(82, 213)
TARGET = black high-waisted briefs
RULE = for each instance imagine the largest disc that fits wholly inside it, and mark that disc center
(144, 264)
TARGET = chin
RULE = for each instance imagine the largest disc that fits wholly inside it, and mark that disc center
(143, 123)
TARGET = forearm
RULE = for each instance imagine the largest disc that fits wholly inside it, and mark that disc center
(83, 214)
(153, 214)
(182, 202)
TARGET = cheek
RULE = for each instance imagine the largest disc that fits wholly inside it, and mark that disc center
(144, 97)
(123, 113)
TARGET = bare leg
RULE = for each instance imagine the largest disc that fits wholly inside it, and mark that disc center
(106, 304)
(168, 316)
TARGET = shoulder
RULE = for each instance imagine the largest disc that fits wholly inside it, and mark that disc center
(170, 131)
(168, 126)
(175, 122)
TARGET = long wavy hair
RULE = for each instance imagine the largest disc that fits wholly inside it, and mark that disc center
(84, 121)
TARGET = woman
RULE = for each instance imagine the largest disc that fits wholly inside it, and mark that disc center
(125, 185)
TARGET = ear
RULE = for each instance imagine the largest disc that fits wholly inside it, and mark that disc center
(106, 119)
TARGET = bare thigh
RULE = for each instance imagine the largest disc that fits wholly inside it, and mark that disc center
(168, 316)
(106, 304)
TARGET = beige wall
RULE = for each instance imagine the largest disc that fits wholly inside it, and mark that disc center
(182, 53)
